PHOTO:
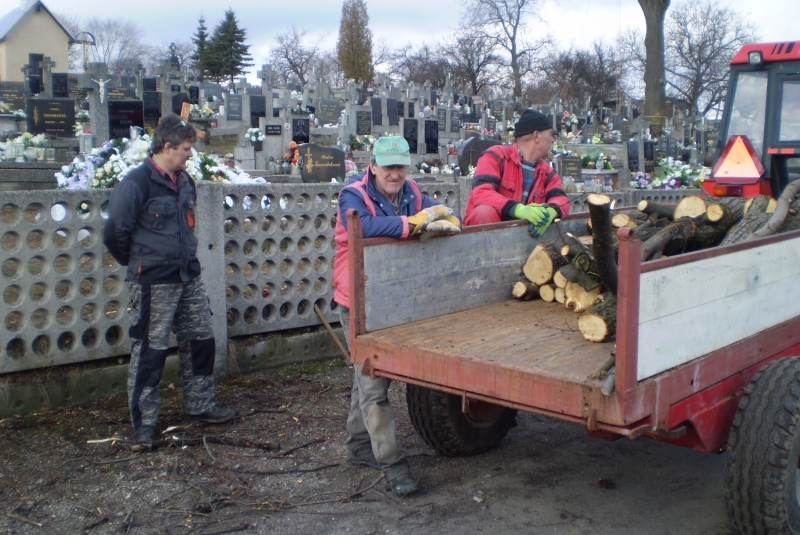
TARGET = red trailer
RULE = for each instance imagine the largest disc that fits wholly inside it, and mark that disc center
(704, 351)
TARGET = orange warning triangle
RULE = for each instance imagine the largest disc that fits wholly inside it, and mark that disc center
(738, 160)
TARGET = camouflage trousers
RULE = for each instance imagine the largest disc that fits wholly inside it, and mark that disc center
(154, 310)
(371, 423)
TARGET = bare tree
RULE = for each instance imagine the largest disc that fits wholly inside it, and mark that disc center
(504, 22)
(183, 51)
(330, 71)
(420, 65)
(292, 57)
(585, 74)
(118, 44)
(473, 60)
(654, 11)
(700, 38)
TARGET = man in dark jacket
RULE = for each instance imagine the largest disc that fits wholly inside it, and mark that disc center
(150, 229)
(515, 181)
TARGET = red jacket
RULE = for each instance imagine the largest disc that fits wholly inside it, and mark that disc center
(498, 183)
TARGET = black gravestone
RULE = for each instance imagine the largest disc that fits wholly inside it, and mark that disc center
(35, 84)
(122, 115)
(329, 111)
(151, 102)
(410, 133)
(14, 94)
(363, 123)
(649, 149)
(127, 81)
(656, 130)
(431, 137)
(491, 124)
(497, 109)
(194, 94)
(401, 108)
(471, 149)
(51, 116)
(149, 84)
(455, 121)
(633, 155)
(377, 114)
(570, 166)
(434, 98)
(276, 113)
(258, 108)
(175, 88)
(273, 129)
(391, 111)
(177, 102)
(321, 164)
(233, 108)
(411, 110)
(121, 93)
(300, 129)
(60, 85)
(441, 115)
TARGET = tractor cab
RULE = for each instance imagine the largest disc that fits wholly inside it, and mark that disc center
(759, 141)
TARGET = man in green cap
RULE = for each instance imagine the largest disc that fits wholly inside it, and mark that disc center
(389, 205)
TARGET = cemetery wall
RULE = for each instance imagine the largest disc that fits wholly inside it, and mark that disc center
(267, 258)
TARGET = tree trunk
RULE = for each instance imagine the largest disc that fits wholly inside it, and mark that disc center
(599, 322)
(654, 11)
(691, 206)
(603, 240)
(525, 290)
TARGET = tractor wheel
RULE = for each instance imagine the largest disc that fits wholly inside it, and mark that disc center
(438, 419)
(761, 484)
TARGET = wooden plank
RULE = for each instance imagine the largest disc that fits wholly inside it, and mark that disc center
(416, 280)
(691, 310)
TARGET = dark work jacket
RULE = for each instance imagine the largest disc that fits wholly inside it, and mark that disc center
(150, 227)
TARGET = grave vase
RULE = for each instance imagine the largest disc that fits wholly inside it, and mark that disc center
(295, 169)
(40, 154)
(258, 145)
(286, 168)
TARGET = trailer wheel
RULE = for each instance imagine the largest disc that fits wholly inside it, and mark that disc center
(438, 419)
(761, 484)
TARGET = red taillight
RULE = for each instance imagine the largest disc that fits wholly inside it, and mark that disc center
(728, 191)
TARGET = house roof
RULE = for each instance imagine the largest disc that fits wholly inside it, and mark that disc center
(10, 20)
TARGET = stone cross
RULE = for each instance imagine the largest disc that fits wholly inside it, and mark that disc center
(102, 84)
(266, 81)
(47, 66)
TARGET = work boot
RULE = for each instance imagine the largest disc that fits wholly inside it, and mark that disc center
(402, 485)
(217, 415)
(367, 458)
(144, 435)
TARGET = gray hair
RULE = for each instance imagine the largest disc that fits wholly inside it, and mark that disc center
(173, 130)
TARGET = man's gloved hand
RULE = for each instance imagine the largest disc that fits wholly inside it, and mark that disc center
(538, 230)
(442, 227)
(420, 220)
(532, 213)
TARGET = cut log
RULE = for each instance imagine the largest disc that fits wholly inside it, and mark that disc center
(761, 203)
(756, 216)
(781, 211)
(658, 210)
(560, 295)
(603, 240)
(691, 206)
(559, 279)
(683, 235)
(543, 262)
(647, 229)
(599, 323)
(623, 220)
(547, 292)
(581, 270)
(525, 290)
(577, 299)
(726, 209)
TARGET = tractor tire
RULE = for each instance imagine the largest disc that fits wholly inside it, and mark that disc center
(438, 419)
(761, 484)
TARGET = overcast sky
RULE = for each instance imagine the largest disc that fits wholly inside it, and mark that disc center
(576, 23)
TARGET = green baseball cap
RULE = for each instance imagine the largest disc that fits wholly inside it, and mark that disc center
(391, 150)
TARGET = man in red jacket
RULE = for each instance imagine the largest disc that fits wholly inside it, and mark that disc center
(515, 181)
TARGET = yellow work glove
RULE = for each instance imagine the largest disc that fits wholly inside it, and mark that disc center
(421, 219)
(442, 227)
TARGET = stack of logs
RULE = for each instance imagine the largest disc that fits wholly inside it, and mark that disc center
(581, 273)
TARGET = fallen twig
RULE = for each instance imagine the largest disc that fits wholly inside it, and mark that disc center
(238, 527)
(213, 460)
(279, 472)
(287, 452)
(96, 523)
(112, 461)
(22, 519)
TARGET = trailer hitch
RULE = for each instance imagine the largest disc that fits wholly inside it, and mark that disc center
(656, 431)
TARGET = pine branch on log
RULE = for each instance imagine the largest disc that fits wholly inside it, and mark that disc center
(658, 210)
(543, 262)
(690, 206)
(525, 290)
(580, 270)
(599, 322)
(547, 292)
(781, 211)
(603, 240)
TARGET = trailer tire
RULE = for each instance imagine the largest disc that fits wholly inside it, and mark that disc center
(439, 420)
(761, 483)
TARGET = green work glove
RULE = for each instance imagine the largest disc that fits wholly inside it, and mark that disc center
(532, 213)
(538, 230)
(420, 220)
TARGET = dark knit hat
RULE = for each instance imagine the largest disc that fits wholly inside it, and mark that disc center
(531, 121)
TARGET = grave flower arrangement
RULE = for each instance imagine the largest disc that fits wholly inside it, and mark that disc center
(355, 143)
(5, 108)
(39, 141)
(206, 167)
(203, 112)
(487, 134)
(254, 135)
(75, 175)
(82, 116)
(293, 154)
(20, 115)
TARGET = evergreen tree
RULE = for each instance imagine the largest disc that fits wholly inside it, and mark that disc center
(200, 40)
(227, 55)
(354, 47)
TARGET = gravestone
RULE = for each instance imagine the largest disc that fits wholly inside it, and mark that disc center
(434, 98)
(321, 164)
(233, 107)
(121, 93)
(212, 90)
(455, 121)
(300, 130)
(194, 94)
(54, 117)
(377, 114)
(151, 104)
(633, 155)
(149, 84)
(411, 110)
(410, 127)
(175, 88)
(15, 94)
(431, 137)
(258, 109)
(273, 130)
(177, 102)
(441, 115)
(656, 130)
(649, 150)
(471, 149)
(391, 111)
(401, 109)
(122, 115)
(497, 109)
(491, 124)
(60, 85)
(570, 166)
(363, 123)
(328, 111)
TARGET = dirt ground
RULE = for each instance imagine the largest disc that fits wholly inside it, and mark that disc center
(280, 468)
